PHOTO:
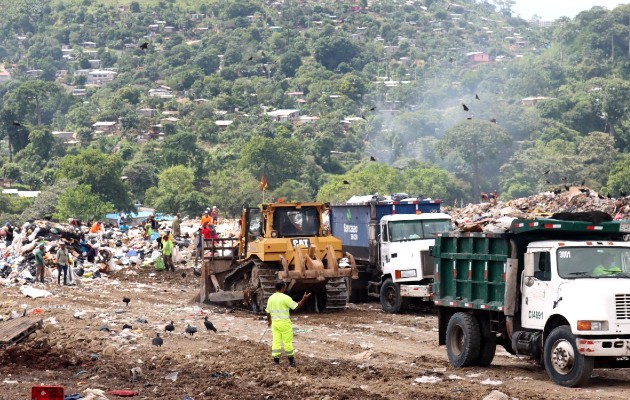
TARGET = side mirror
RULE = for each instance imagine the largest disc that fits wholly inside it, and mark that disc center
(528, 273)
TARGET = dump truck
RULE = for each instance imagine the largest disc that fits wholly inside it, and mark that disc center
(278, 241)
(555, 290)
(390, 240)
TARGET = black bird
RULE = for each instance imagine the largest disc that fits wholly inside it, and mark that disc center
(15, 123)
(209, 325)
(263, 54)
(196, 272)
(250, 58)
(477, 96)
(157, 341)
(126, 300)
(564, 178)
(144, 45)
(345, 182)
(363, 117)
(623, 194)
(557, 191)
(546, 172)
(583, 182)
(451, 60)
(183, 274)
(493, 120)
(600, 196)
(567, 187)
(465, 107)
(469, 118)
(170, 327)
(609, 196)
(547, 182)
(191, 330)
(372, 158)
(127, 326)
(373, 108)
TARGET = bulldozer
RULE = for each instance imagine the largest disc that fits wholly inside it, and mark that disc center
(278, 241)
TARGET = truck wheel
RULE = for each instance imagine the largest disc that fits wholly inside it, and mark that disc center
(564, 364)
(463, 340)
(391, 301)
(487, 350)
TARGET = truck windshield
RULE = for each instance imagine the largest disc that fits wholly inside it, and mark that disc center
(290, 221)
(594, 262)
(416, 229)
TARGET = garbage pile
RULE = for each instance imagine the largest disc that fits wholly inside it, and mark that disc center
(92, 256)
(496, 216)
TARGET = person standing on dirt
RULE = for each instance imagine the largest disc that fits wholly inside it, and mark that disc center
(62, 263)
(278, 307)
(39, 263)
(176, 226)
(167, 252)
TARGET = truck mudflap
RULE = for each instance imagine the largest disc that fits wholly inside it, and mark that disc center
(415, 291)
(614, 347)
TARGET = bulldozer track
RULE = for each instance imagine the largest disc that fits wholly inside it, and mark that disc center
(336, 294)
(267, 278)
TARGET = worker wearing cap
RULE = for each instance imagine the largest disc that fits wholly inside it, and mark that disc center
(206, 218)
(62, 263)
(278, 307)
(39, 263)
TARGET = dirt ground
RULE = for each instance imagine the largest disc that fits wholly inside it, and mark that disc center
(359, 353)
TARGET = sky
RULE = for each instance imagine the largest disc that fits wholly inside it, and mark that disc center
(552, 9)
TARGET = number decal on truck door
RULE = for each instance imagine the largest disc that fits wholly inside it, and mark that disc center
(535, 314)
(564, 254)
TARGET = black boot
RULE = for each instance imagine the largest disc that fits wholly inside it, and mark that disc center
(276, 361)
(291, 362)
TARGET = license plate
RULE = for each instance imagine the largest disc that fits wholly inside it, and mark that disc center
(625, 228)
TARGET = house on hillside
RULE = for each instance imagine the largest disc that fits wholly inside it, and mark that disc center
(162, 92)
(223, 124)
(4, 76)
(100, 77)
(284, 115)
(533, 101)
(477, 57)
(147, 112)
(63, 137)
(104, 127)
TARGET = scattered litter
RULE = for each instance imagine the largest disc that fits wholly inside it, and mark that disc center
(218, 375)
(428, 379)
(364, 355)
(123, 393)
(94, 394)
(34, 293)
(454, 377)
(8, 382)
(491, 382)
(496, 395)
(301, 330)
(439, 369)
(473, 375)
(172, 376)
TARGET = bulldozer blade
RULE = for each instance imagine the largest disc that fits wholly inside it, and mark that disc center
(226, 296)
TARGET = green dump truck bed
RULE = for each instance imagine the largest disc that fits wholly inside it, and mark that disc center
(470, 268)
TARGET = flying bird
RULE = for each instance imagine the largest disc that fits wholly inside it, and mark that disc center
(372, 158)
(346, 182)
(469, 118)
(250, 58)
(157, 341)
(546, 172)
(465, 107)
(191, 330)
(209, 325)
(451, 60)
(564, 178)
(547, 182)
(363, 117)
(373, 108)
(15, 123)
(144, 45)
(170, 327)
(493, 120)
(126, 300)
(477, 96)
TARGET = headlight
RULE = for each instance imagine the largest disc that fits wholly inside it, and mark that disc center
(405, 273)
(274, 234)
(592, 325)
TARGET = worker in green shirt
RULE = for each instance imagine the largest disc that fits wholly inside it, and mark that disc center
(167, 252)
(278, 319)
(39, 262)
(608, 267)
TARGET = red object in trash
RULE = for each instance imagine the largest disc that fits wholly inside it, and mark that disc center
(47, 393)
(123, 393)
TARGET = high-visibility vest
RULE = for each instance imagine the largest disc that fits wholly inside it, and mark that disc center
(278, 306)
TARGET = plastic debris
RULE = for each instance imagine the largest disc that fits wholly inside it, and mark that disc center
(428, 379)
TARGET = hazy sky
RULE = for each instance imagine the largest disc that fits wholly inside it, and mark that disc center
(552, 9)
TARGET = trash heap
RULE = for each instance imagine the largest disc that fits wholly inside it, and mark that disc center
(115, 250)
(497, 216)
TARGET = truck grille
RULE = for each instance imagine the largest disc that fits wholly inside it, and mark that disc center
(622, 306)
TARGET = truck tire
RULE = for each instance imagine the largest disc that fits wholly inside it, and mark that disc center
(487, 350)
(564, 364)
(391, 301)
(463, 340)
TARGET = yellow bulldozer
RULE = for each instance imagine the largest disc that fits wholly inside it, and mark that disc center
(279, 241)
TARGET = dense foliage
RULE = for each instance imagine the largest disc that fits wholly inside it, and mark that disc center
(195, 85)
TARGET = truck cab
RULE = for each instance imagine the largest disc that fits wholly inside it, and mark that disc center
(406, 265)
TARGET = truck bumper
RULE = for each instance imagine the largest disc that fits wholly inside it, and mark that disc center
(414, 291)
(614, 347)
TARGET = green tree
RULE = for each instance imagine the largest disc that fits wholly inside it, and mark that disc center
(332, 51)
(99, 170)
(81, 203)
(475, 143)
(619, 178)
(232, 188)
(362, 179)
(175, 184)
(278, 159)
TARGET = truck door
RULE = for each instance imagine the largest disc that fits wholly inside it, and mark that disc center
(383, 246)
(536, 298)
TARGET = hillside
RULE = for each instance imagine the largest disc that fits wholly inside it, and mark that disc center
(181, 106)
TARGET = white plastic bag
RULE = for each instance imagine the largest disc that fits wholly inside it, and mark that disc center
(177, 257)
